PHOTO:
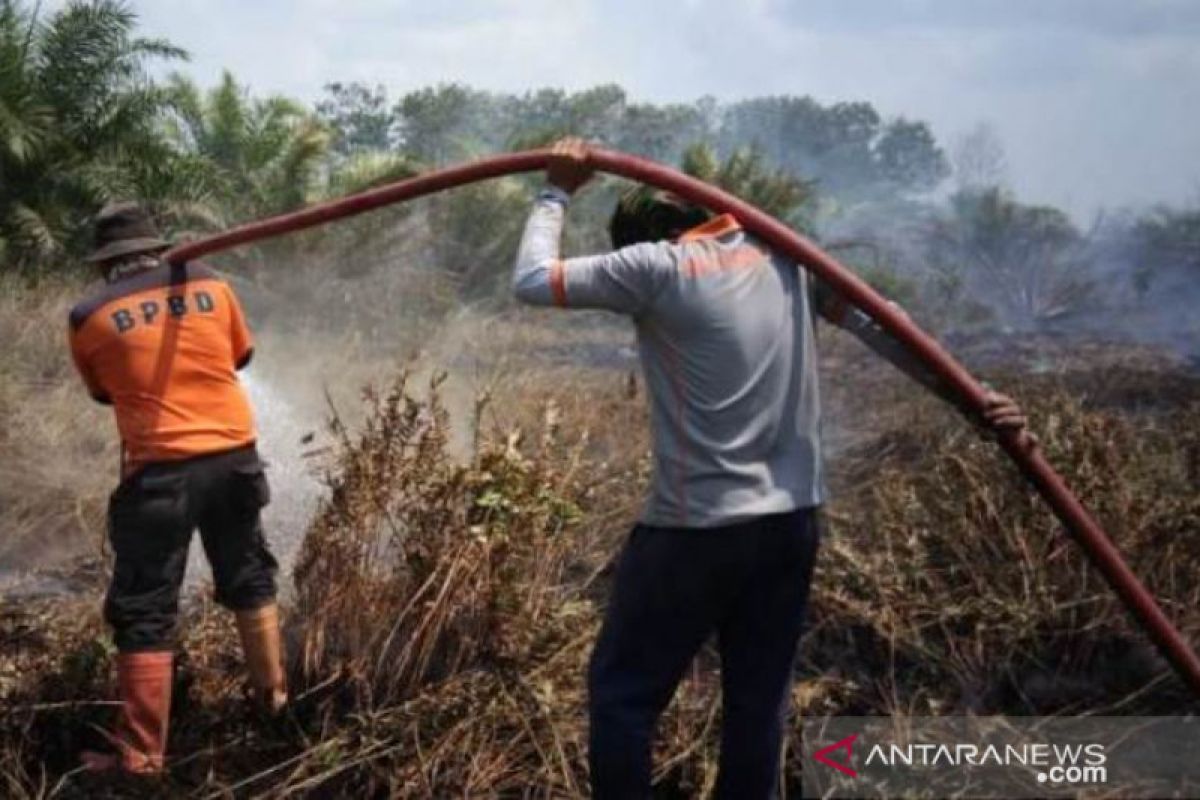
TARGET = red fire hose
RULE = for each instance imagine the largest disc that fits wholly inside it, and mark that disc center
(1099, 548)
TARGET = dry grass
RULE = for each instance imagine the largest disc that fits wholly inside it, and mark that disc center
(58, 457)
(953, 588)
(449, 588)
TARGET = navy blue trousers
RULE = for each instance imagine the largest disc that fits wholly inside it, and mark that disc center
(748, 583)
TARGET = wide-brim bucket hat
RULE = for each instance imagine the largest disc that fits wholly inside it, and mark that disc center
(124, 229)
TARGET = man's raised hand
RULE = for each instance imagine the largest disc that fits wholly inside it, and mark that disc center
(569, 166)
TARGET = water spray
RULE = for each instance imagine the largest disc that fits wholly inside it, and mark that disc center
(1097, 545)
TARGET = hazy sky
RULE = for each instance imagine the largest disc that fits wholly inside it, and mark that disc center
(1097, 101)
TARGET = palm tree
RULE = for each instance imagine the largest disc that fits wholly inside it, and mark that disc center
(78, 127)
(1028, 263)
(266, 154)
(746, 174)
(271, 155)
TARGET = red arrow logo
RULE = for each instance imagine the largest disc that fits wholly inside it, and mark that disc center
(846, 744)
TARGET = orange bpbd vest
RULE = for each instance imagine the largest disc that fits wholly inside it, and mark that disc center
(163, 348)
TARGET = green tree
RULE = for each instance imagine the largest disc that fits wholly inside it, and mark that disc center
(745, 173)
(846, 147)
(266, 153)
(438, 124)
(661, 132)
(269, 155)
(1026, 262)
(359, 118)
(908, 158)
(1166, 246)
(474, 232)
(596, 114)
(78, 128)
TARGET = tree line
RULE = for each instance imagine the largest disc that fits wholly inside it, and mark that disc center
(82, 122)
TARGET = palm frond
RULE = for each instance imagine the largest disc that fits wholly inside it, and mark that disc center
(184, 119)
(32, 231)
(24, 126)
(225, 113)
(159, 48)
(295, 169)
(367, 170)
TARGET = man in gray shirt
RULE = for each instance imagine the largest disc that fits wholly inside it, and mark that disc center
(729, 533)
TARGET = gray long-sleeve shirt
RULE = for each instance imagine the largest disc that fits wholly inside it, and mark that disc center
(726, 339)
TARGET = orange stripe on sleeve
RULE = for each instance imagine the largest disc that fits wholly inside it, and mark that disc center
(558, 282)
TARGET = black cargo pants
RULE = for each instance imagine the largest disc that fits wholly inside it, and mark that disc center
(151, 517)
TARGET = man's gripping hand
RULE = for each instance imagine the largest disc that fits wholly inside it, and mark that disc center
(569, 166)
(1001, 413)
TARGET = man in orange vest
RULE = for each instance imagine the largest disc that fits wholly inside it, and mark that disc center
(161, 343)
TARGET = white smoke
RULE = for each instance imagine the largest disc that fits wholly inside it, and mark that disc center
(295, 491)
